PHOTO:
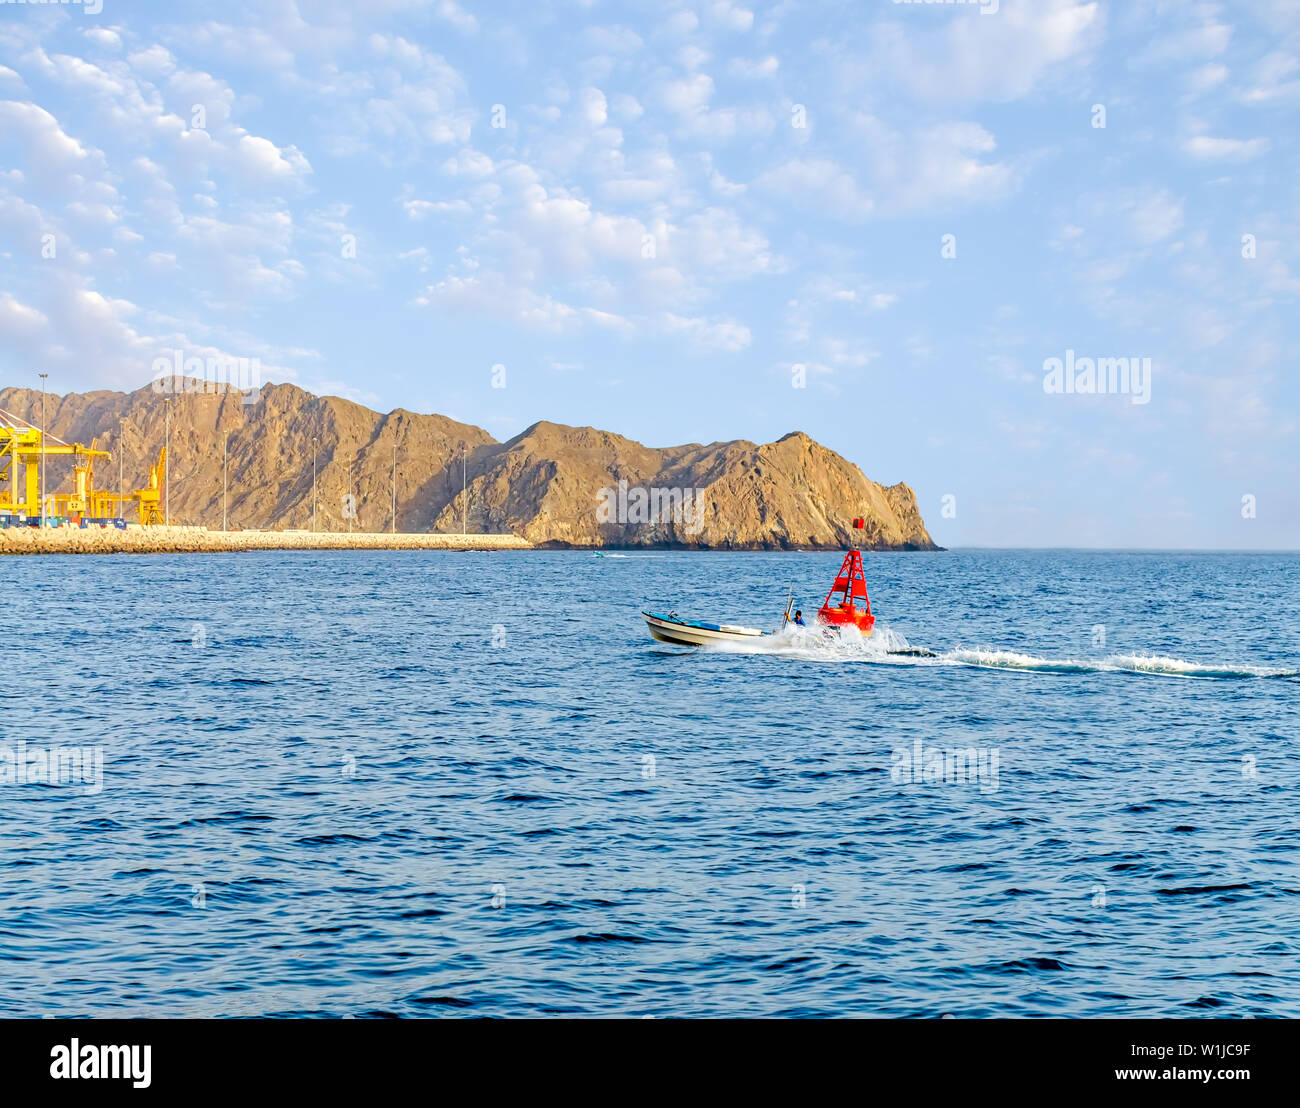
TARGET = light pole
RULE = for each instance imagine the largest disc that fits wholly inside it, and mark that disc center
(464, 496)
(313, 486)
(121, 484)
(43, 376)
(167, 466)
(393, 528)
(225, 483)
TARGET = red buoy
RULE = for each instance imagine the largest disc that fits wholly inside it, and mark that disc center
(841, 606)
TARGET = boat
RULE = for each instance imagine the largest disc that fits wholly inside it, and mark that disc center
(672, 628)
(846, 605)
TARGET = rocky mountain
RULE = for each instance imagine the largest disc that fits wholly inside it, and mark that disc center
(553, 485)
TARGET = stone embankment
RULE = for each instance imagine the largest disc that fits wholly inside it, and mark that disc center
(199, 540)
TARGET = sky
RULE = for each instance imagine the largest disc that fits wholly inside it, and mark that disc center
(881, 223)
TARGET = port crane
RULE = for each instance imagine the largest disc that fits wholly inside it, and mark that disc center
(23, 445)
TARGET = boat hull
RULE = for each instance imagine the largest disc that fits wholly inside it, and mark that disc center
(691, 632)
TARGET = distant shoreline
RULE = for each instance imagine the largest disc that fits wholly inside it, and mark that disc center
(200, 540)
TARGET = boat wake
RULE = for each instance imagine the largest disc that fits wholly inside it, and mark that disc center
(1150, 665)
(1176, 667)
(890, 647)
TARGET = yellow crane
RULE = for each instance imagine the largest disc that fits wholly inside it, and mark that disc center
(85, 499)
(93, 503)
(148, 500)
(22, 447)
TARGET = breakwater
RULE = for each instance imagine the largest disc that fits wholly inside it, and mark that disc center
(200, 540)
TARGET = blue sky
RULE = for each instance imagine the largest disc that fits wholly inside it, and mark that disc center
(653, 214)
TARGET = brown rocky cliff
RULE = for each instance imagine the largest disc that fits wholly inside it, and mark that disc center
(545, 484)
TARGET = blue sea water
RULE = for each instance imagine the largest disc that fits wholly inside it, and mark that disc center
(450, 784)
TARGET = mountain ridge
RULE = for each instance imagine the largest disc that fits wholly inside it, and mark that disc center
(553, 484)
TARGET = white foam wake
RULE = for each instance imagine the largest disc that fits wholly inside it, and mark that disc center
(1152, 665)
(1012, 659)
(843, 644)
(883, 647)
(1176, 667)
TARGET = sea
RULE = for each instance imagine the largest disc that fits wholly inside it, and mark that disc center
(437, 784)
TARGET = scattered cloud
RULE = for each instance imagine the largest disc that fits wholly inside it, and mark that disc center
(1209, 148)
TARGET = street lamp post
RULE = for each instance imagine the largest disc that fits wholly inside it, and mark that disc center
(225, 482)
(43, 376)
(464, 496)
(393, 527)
(167, 466)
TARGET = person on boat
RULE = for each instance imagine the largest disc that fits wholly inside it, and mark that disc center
(797, 618)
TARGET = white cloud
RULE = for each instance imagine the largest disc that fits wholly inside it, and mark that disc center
(104, 37)
(468, 163)
(755, 69)
(686, 96)
(681, 23)
(1207, 39)
(49, 149)
(626, 107)
(410, 100)
(613, 39)
(941, 166)
(19, 321)
(422, 209)
(593, 106)
(1150, 215)
(998, 58)
(245, 45)
(818, 185)
(452, 13)
(724, 335)
(692, 57)
(90, 340)
(492, 294)
(1209, 148)
(1207, 76)
(1276, 77)
(549, 259)
(715, 241)
(731, 17)
(260, 157)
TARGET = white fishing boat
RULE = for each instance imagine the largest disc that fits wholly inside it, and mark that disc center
(853, 609)
(694, 632)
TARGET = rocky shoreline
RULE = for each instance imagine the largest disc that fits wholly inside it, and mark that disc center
(199, 540)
